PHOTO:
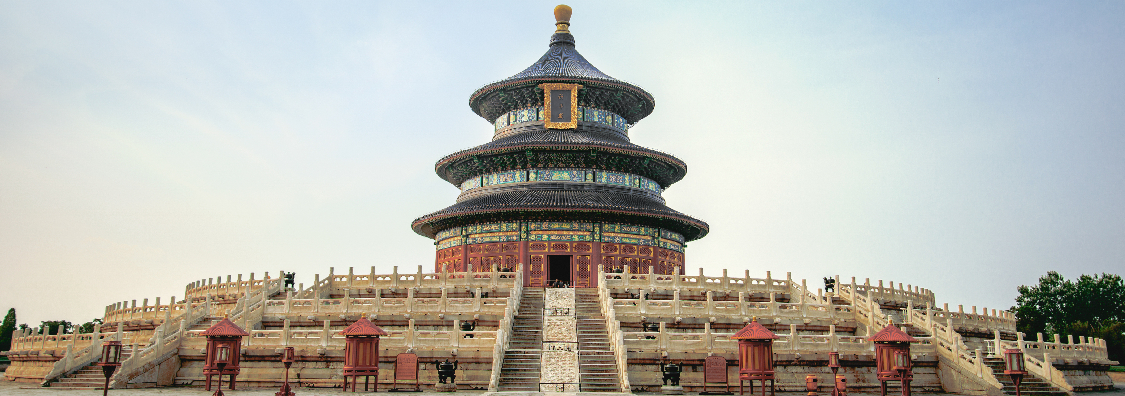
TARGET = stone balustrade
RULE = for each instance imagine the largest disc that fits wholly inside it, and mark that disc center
(408, 305)
(699, 282)
(729, 309)
(29, 342)
(711, 342)
(217, 290)
(984, 322)
(1085, 350)
(329, 338)
(901, 295)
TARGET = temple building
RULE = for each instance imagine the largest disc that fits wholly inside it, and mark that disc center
(560, 190)
(560, 268)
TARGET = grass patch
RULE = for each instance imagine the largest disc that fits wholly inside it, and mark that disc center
(1119, 369)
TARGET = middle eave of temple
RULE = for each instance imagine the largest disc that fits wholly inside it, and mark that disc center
(587, 146)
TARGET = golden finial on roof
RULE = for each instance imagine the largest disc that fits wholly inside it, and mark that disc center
(562, 18)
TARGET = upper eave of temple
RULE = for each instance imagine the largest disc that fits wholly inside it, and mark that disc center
(562, 64)
(590, 145)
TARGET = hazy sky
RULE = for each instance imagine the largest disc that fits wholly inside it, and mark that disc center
(966, 147)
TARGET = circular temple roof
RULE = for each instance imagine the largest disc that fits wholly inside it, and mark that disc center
(562, 63)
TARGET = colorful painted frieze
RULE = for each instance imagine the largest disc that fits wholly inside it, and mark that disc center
(557, 175)
(571, 175)
(615, 178)
(671, 245)
(586, 114)
(448, 233)
(492, 238)
(672, 235)
(559, 225)
(448, 243)
(561, 237)
(491, 227)
(608, 228)
(470, 184)
(627, 239)
(515, 176)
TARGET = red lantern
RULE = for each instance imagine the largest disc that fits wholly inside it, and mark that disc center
(1013, 366)
(111, 360)
(892, 358)
(224, 348)
(755, 356)
(361, 353)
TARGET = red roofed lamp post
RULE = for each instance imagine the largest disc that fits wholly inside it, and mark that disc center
(224, 346)
(834, 364)
(892, 358)
(1013, 366)
(361, 353)
(755, 356)
(111, 360)
(287, 357)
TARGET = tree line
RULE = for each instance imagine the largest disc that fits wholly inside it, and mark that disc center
(1090, 306)
(52, 327)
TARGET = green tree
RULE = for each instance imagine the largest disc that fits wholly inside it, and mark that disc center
(57, 326)
(88, 327)
(6, 329)
(1092, 306)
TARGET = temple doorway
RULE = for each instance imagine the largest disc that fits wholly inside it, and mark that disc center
(558, 269)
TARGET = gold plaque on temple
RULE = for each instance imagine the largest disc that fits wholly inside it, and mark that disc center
(560, 105)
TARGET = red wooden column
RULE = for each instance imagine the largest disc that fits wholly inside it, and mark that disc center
(223, 334)
(890, 342)
(755, 356)
(361, 353)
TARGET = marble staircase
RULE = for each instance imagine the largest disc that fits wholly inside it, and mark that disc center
(596, 363)
(89, 377)
(521, 367)
(1031, 384)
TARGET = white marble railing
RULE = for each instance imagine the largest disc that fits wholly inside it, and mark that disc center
(234, 287)
(395, 280)
(409, 304)
(504, 331)
(613, 328)
(1087, 349)
(166, 339)
(701, 282)
(76, 359)
(950, 346)
(909, 293)
(729, 309)
(709, 341)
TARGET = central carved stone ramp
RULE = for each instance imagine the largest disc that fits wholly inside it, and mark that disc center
(1031, 384)
(520, 371)
(597, 366)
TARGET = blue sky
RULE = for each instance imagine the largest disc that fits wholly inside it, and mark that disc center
(965, 147)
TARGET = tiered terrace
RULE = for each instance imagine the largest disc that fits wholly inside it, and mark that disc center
(650, 318)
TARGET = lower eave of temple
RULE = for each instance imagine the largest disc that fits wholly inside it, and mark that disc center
(561, 205)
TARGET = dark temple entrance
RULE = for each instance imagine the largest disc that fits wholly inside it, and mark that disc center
(558, 268)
